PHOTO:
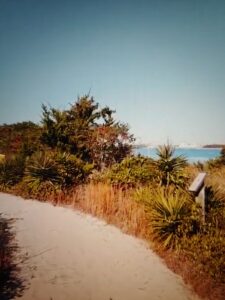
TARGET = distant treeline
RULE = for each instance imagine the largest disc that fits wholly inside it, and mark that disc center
(16, 137)
(214, 146)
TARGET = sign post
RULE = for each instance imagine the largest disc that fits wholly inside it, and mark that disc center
(198, 189)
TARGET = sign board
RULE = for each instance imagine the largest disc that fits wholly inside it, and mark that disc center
(198, 183)
(198, 189)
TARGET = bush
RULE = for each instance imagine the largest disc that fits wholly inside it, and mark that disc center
(72, 170)
(215, 208)
(207, 250)
(54, 171)
(132, 171)
(11, 171)
(170, 214)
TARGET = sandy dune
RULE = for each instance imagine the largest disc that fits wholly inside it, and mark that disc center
(72, 256)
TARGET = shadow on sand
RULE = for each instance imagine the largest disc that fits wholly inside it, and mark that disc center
(11, 282)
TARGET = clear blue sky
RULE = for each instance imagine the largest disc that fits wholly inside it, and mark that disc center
(160, 64)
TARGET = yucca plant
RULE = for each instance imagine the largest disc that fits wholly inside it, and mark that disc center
(42, 168)
(55, 171)
(168, 210)
(170, 168)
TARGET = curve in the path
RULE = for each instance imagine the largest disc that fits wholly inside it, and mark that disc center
(72, 256)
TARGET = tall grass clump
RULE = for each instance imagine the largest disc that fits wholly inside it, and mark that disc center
(216, 181)
(115, 205)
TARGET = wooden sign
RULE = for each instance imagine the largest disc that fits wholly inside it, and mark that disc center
(198, 189)
(197, 184)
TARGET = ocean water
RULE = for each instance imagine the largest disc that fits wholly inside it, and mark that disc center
(192, 154)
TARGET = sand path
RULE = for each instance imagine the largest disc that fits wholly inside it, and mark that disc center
(73, 256)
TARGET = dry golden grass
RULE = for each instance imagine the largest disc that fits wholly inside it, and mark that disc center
(201, 283)
(113, 205)
(192, 171)
(216, 179)
(2, 157)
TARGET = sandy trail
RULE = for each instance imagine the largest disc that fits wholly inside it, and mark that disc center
(73, 256)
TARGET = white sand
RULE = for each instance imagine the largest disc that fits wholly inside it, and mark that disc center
(74, 256)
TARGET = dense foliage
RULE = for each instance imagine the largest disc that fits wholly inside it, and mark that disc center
(56, 169)
(65, 149)
(130, 172)
(19, 137)
(87, 131)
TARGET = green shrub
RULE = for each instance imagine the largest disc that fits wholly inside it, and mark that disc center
(11, 171)
(132, 171)
(207, 250)
(55, 171)
(170, 213)
(71, 169)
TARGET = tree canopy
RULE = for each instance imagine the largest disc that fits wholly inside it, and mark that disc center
(87, 131)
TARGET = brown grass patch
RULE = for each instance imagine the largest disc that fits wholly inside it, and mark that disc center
(114, 205)
(201, 283)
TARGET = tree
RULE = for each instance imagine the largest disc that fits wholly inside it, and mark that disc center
(87, 131)
(110, 144)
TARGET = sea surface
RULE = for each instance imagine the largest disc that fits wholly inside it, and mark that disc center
(192, 154)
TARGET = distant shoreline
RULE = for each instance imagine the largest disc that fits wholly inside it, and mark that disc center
(213, 146)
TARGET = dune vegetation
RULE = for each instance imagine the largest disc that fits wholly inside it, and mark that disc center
(83, 157)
